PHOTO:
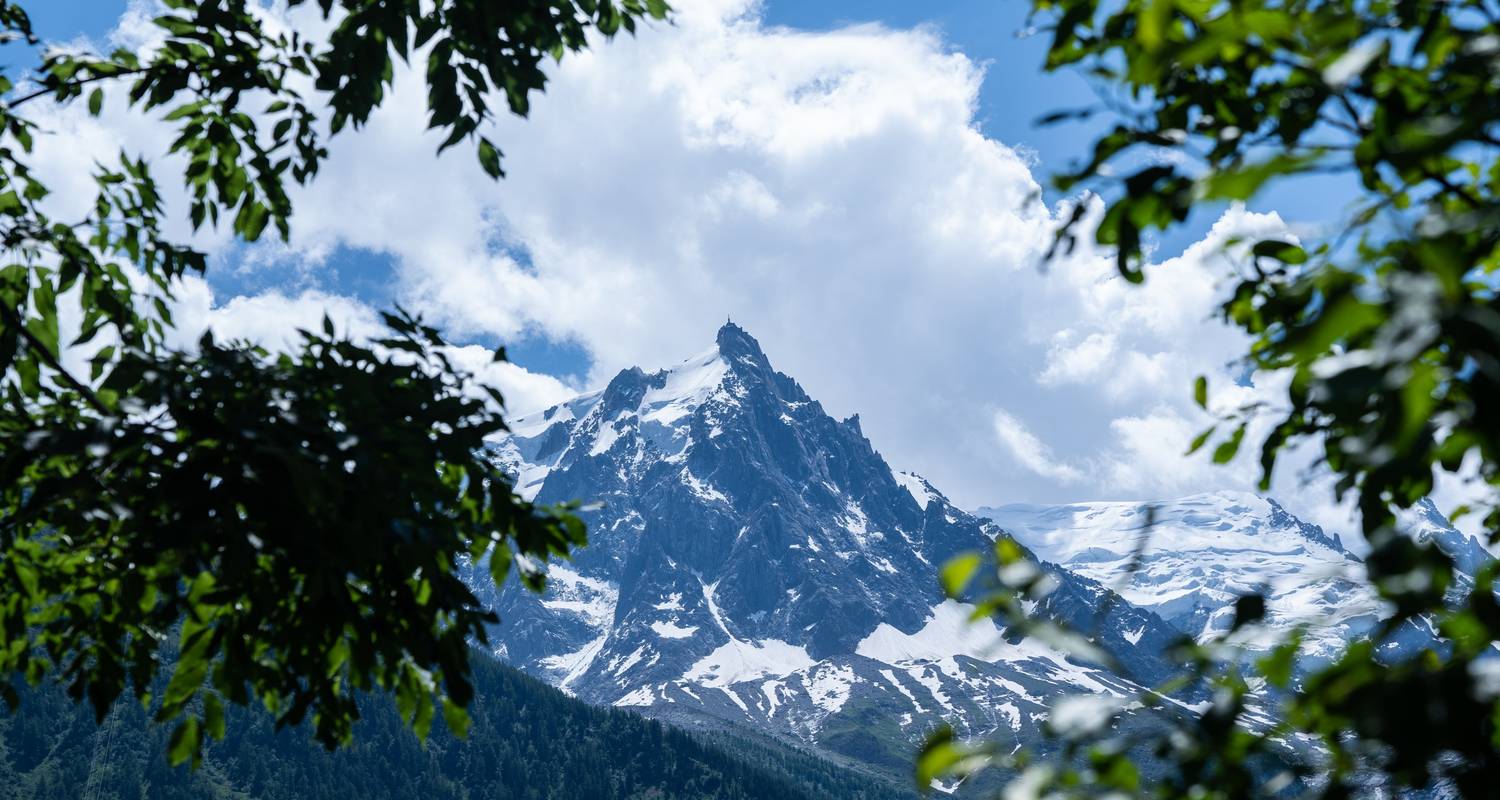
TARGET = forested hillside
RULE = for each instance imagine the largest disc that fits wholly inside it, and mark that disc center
(527, 742)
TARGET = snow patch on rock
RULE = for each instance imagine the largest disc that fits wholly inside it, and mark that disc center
(736, 661)
(671, 630)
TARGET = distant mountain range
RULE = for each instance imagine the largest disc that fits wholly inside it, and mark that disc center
(756, 563)
(1200, 553)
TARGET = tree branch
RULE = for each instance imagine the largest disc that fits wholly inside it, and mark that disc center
(74, 84)
(11, 318)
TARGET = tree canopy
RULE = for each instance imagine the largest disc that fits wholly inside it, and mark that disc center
(292, 525)
(1386, 324)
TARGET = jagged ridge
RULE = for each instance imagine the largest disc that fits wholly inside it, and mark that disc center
(757, 562)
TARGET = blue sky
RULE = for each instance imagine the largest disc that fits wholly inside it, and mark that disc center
(846, 179)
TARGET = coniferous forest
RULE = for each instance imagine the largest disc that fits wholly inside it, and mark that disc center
(527, 741)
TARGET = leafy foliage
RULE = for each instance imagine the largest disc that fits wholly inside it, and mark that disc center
(1387, 327)
(295, 521)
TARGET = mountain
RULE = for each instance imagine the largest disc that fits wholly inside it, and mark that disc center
(1188, 560)
(755, 563)
(1199, 554)
(527, 742)
(1427, 525)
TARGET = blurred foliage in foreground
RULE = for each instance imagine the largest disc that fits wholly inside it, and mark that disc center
(1385, 326)
(295, 522)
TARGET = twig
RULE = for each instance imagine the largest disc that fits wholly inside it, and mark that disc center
(81, 82)
(11, 318)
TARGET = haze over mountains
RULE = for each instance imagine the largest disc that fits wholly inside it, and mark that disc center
(756, 563)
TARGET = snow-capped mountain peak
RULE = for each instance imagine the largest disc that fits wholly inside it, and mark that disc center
(659, 406)
(756, 561)
(753, 561)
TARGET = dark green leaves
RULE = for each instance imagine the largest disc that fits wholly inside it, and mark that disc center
(294, 525)
(350, 579)
(476, 51)
(1382, 328)
(1284, 252)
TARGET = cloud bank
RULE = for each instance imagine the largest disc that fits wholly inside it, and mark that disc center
(830, 191)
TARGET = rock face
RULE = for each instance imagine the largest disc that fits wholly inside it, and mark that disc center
(755, 561)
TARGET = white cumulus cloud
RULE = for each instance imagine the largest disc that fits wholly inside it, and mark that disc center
(1030, 452)
(834, 193)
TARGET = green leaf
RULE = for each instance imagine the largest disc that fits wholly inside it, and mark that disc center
(1120, 773)
(28, 371)
(489, 158)
(500, 559)
(1154, 19)
(213, 716)
(1200, 394)
(186, 742)
(939, 754)
(1243, 182)
(96, 102)
(421, 722)
(1284, 252)
(1345, 318)
(1200, 440)
(1278, 665)
(958, 571)
(26, 573)
(456, 718)
(1229, 448)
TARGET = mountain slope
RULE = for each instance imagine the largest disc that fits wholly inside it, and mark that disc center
(1199, 554)
(527, 741)
(756, 562)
